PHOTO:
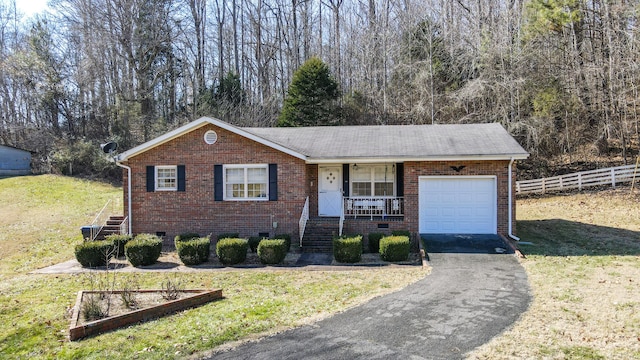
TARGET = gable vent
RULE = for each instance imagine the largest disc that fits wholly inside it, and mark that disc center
(210, 137)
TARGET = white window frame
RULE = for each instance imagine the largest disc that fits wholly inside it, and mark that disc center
(158, 187)
(246, 167)
(372, 181)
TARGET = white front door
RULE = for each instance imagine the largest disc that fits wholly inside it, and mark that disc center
(329, 190)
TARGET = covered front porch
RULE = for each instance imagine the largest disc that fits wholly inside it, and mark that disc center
(372, 190)
(373, 207)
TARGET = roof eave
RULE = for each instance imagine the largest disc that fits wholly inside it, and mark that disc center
(194, 125)
(364, 160)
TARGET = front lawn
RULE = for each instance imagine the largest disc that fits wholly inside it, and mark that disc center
(39, 226)
(584, 269)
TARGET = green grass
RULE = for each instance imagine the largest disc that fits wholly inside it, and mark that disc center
(41, 216)
(584, 270)
(41, 224)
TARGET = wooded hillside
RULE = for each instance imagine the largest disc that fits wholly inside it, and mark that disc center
(560, 75)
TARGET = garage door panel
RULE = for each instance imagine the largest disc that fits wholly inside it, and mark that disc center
(457, 205)
(464, 212)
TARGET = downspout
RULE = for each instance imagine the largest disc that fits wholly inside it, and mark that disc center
(511, 235)
(128, 192)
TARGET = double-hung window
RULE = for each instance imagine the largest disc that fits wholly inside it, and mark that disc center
(246, 182)
(372, 180)
(166, 178)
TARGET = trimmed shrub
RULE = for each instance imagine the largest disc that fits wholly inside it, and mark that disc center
(254, 241)
(272, 251)
(185, 237)
(143, 250)
(94, 253)
(119, 241)
(193, 251)
(348, 249)
(286, 238)
(374, 242)
(228, 236)
(232, 251)
(394, 248)
(401, 233)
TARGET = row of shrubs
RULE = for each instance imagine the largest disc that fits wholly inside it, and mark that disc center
(396, 247)
(192, 249)
(142, 250)
(374, 239)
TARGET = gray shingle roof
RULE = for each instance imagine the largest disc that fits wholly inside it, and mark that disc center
(396, 141)
(368, 143)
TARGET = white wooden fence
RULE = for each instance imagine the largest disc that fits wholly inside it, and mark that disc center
(579, 180)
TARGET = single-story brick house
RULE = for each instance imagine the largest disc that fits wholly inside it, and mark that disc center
(211, 177)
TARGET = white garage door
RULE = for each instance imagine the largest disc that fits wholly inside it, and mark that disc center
(457, 205)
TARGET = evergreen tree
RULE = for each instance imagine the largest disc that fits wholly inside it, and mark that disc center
(311, 97)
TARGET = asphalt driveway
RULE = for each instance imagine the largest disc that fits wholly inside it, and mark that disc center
(466, 300)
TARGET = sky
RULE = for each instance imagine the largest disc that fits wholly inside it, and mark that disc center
(31, 7)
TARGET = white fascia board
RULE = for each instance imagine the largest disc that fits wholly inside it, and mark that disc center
(258, 139)
(196, 125)
(163, 139)
(365, 160)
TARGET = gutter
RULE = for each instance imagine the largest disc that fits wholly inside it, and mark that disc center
(511, 235)
(128, 193)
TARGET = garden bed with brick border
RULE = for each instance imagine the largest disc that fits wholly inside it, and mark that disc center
(190, 298)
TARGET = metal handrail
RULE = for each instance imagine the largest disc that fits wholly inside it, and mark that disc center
(99, 222)
(123, 226)
(304, 217)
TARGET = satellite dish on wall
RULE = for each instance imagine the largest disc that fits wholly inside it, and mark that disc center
(109, 147)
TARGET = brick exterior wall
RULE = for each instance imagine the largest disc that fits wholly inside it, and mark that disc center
(195, 210)
(412, 172)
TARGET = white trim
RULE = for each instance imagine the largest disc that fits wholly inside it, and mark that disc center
(196, 125)
(129, 207)
(156, 177)
(368, 160)
(321, 197)
(457, 177)
(511, 235)
(372, 181)
(466, 177)
(246, 179)
(210, 137)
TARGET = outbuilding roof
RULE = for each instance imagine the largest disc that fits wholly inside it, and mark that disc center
(370, 143)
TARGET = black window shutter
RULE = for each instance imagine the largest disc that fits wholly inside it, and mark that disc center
(345, 180)
(218, 186)
(399, 179)
(273, 182)
(181, 178)
(151, 178)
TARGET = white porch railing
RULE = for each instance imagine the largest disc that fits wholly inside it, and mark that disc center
(123, 226)
(609, 176)
(302, 223)
(373, 206)
(341, 219)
